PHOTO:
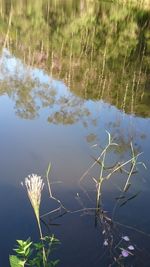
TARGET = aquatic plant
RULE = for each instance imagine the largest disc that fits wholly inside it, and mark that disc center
(34, 185)
(119, 245)
(28, 252)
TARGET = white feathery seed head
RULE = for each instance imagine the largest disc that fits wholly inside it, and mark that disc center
(34, 185)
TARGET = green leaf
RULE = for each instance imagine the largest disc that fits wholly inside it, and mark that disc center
(38, 246)
(54, 263)
(15, 262)
(23, 247)
(20, 242)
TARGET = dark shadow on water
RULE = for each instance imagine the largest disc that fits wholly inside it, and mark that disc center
(73, 230)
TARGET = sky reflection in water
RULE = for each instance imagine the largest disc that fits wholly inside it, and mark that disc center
(61, 129)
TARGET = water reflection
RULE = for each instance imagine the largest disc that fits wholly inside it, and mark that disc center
(71, 70)
(100, 50)
(35, 92)
(31, 89)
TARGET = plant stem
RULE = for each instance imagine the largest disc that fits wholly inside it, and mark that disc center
(41, 236)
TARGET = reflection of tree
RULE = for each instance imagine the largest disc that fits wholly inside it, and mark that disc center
(90, 138)
(21, 93)
(25, 105)
(69, 111)
(100, 49)
(31, 93)
(47, 96)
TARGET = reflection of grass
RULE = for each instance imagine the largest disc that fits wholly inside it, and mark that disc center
(96, 55)
(136, 3)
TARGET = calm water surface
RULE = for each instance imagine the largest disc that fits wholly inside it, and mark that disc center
(69, 72)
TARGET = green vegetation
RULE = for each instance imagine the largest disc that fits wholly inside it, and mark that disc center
(39, 254)
(28, 252)
(101, 50)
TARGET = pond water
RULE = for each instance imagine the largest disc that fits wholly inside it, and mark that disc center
(70, 73)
